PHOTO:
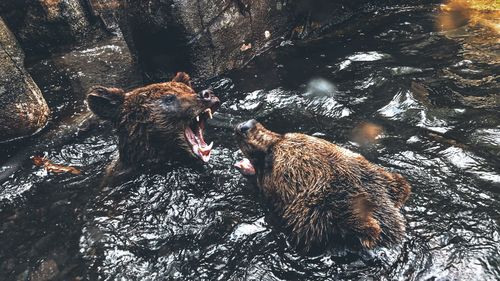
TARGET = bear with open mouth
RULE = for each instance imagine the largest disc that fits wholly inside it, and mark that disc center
(323, 194)
(157, 122)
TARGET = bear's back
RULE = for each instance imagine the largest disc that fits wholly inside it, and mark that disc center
(312, 161)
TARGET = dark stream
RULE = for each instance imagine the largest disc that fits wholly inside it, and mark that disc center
(429, 95)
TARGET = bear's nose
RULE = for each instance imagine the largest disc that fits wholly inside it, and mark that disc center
(206, 95)
(246, 126)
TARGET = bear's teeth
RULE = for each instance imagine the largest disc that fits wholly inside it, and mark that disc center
(209, 111)
(198, 118)
(209, 147)
(206, 147)
(203, 153)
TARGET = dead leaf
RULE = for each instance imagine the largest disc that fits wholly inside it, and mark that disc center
(246, 47)
(40, 161)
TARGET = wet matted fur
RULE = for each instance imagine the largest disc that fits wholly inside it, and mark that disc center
(324, 193)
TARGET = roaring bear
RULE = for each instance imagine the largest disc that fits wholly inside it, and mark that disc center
(323, 194)
(158, 122)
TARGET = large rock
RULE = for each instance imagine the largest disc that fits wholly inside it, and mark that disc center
(106, 61)
(206, 37)
(225, 34)
(23, 108)
(40, 25)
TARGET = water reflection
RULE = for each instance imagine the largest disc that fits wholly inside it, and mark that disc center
(457, 13)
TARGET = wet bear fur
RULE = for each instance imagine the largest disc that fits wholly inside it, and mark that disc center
(325, 194)
(150, 121)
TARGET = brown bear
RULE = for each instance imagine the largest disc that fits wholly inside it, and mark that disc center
(158, 122)
(324, 194)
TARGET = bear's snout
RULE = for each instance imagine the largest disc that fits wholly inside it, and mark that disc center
(207, 96)
(244, 127)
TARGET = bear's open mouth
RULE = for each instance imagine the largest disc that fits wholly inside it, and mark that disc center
(194, 135)
(245, 167)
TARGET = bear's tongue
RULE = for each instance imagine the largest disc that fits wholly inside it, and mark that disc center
(198, 145)
(245, 167)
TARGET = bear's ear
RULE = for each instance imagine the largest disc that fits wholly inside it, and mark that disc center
(182, 77)
(105, 102)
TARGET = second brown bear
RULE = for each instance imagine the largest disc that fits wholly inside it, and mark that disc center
(323, 193)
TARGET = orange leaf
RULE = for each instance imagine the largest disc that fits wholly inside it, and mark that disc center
(40, 161)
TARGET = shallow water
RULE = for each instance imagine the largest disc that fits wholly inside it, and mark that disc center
(384, 84)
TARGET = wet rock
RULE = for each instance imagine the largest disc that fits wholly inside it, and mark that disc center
(212, 36)
(65, 77)
(108, 11)
(23, 108)
(107, 62)
(42, 24)
(46, 271)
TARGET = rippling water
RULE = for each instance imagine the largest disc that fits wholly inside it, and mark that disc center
(408, 98)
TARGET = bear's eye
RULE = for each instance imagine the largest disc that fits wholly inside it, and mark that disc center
(168, 99)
